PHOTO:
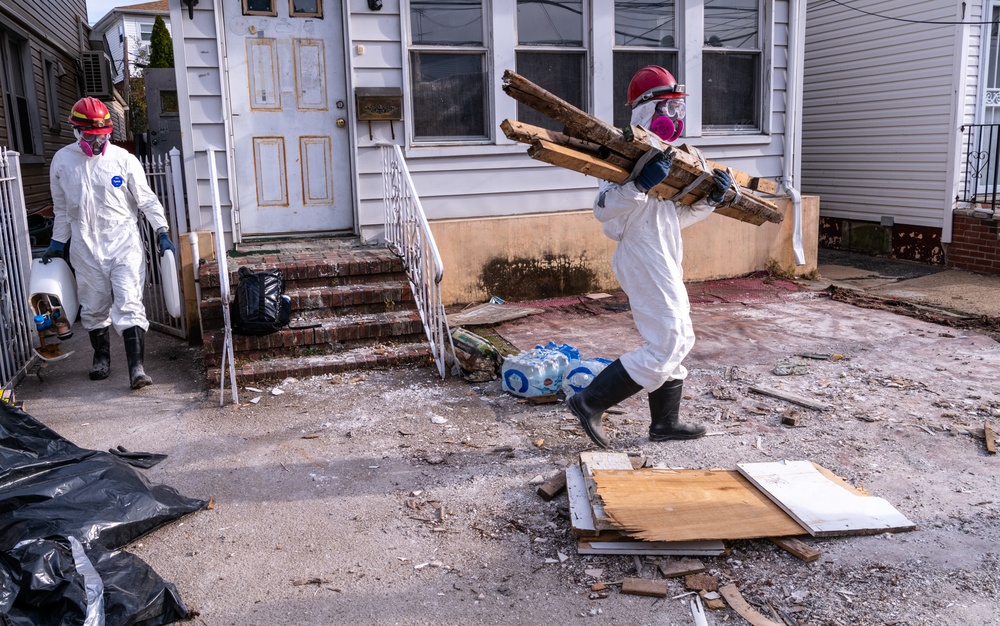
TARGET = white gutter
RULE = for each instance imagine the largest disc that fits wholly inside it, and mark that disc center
(793, 120)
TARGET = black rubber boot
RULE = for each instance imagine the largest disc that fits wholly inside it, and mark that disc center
(135, 344)
(100, 340)
(664, 409)
(609, 388)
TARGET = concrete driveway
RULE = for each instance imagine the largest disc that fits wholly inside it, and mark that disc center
(393, 497)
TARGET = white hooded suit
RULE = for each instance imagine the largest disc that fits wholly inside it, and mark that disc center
(96, 200)
(647, 264)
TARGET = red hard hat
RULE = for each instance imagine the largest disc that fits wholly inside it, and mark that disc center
(653, 83)
(91, 116)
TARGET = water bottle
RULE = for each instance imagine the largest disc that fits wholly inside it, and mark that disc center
(535, 373)
(580, 372)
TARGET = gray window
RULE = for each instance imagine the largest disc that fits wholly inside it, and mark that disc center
(23, 123)
(448, 70)
(552, 53)
(645, 34)
(731, 67)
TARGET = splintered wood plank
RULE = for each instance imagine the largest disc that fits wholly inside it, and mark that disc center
(991, 439)
(623, 150)
(553, 486)
(690, 505)
(822, 506)
(791, 397)
(652, 548)
(741, 606)
(589, 461)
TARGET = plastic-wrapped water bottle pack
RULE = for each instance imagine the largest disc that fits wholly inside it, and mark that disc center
(549, 369)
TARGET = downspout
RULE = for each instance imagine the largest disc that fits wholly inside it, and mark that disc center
(793, 120)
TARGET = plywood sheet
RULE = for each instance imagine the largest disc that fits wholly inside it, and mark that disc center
(490, 313)
(821, 505)
(690, 505)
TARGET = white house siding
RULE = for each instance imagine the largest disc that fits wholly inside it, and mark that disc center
(199, 85)
(452, 182)
(877, 122)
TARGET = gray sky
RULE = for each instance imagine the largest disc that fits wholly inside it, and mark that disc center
(96, 9)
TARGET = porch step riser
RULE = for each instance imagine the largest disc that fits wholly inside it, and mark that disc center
(321, 303)
(262, 371)
(323, 340)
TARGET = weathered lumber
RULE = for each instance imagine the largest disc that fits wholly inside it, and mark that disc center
(735, 599)
(588, 141)
(797, 548)
(991, 439)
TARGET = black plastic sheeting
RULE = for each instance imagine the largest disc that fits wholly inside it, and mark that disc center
(65, 512)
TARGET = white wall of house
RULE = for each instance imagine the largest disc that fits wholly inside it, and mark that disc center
(884, 101)
(493, 179)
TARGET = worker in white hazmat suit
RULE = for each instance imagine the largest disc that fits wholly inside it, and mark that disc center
(647, 264)
(97, 191)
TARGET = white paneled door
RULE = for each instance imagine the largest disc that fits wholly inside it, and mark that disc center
(288, 93)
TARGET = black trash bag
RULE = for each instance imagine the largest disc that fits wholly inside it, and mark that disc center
(260, 306)
(64, 513)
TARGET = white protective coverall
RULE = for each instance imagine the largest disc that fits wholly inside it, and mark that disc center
(96, 200)
(647, 264)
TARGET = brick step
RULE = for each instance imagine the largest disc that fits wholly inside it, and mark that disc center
(359, 358)
(321, 269)
(321, 336)
(315, 303)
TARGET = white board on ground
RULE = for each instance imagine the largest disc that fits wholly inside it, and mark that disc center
(822, 506)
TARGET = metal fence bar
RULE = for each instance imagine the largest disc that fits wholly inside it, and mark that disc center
(160, 177)
(17, 328)
(408, 235)
(981, 167)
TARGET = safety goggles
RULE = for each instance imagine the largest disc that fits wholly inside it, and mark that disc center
(673, 108)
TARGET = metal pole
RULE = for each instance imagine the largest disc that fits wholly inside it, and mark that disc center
(220, 254)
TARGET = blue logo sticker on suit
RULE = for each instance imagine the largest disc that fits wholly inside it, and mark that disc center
(117, 181)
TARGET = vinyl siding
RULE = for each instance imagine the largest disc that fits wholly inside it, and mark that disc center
(877, 111)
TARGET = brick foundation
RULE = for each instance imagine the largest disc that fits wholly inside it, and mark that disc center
(975, 243)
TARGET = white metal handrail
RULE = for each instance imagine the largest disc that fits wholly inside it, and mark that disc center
(17, 329)
(409, 236)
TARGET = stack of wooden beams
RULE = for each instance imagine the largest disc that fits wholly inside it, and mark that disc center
(592, 147)
(616, 509)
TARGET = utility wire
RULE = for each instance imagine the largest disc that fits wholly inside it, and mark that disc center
(903, 19)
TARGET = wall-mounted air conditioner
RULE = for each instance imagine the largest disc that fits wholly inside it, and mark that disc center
(96, 74)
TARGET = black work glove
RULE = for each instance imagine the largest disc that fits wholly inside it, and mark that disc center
(654, 171)
(723, 182)
(54, 251)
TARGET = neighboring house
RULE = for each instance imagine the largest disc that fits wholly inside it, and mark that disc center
(894, 96)
(125, 33)
(42, 45)
(295, 159)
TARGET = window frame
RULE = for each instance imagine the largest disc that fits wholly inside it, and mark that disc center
(761, 98)
(489, 79)
(10, 35)
(318, 14)
(51, 71)
(272, 13)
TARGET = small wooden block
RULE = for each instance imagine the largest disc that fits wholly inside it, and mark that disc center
(701, 582)
(790, 419)
(640, 587)
(553, 487)
(684, 567)
(797, 548)
(549, 398)
(991, 439)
